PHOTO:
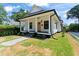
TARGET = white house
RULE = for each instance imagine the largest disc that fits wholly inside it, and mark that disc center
(41, 21)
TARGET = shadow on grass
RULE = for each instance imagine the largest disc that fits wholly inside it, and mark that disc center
(40, 36)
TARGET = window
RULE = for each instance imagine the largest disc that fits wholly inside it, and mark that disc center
(22, 28)
(30, 25)
(46, 24)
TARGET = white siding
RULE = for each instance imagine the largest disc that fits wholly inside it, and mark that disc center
(25, 26)
(53, 27)
(53, 24)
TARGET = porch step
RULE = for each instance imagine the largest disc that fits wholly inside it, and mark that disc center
(42, 36)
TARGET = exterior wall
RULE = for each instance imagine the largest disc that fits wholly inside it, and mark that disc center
(55, 20)
(33, 25)
(42, 19)
(53, 26)
(59, 27)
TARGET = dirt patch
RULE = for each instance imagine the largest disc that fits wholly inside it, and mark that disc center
(74, 44)
(24, 51)
(33, 50)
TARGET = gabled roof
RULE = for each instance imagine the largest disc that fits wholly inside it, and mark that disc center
(36, 10)
(43, 11)
(39, 12)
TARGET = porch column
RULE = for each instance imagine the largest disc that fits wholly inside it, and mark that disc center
(35, 24)
(28, 25)
(49, 24)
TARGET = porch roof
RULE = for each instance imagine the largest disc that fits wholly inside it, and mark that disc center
(39, 12)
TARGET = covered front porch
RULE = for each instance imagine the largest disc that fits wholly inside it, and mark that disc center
(39, 25)
(43, 24)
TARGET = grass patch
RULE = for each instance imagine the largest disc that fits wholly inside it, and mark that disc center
(59, 47)
(6, 26)
(1, 46)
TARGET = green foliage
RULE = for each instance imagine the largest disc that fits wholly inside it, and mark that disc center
(8, 30)
(19, 15)
(73, 27)
(2, 13)
(73, 13)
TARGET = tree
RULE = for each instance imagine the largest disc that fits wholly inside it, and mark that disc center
(2, 13)
(19, 15)
(73, 13)
(73, 27)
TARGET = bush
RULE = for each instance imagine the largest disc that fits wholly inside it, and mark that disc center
(8, 30)
(74, 27)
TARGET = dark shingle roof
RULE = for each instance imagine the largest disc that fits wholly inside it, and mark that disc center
(39, 12)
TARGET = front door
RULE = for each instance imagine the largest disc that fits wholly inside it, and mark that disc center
(39, 26)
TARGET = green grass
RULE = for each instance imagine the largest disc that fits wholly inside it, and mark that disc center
(6, 26)
(59, 47)
(1, 46)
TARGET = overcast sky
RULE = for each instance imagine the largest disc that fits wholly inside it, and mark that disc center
(61, 8)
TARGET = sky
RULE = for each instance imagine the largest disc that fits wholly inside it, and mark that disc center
(61, 8)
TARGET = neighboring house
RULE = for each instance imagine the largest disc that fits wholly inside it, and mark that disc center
(41, 22)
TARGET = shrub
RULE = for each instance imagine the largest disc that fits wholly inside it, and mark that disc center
(8, 30)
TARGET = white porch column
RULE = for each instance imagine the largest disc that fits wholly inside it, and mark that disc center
(28, 25)
(35, 24)
(49, 24)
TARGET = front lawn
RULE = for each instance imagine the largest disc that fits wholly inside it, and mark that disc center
(59, 46)
(43, 47)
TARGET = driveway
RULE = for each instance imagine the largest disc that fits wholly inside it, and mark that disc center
(13, 42)
(75, 35)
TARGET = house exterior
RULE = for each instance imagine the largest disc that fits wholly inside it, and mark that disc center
(41, 21)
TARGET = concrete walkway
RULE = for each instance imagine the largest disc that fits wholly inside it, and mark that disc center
(75, 35)
(13, 42)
